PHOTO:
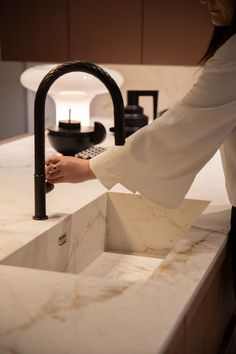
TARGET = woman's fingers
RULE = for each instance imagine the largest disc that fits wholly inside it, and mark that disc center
(56, 180)
(52, 164)
(53, 167)
(53, 175)
(53, 171)
(54, 159)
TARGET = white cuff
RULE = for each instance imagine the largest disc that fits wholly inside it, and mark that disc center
(102, 166)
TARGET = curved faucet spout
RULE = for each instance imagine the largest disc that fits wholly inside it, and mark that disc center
(39, 121)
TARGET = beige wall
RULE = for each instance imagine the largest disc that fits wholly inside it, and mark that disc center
(173, 82)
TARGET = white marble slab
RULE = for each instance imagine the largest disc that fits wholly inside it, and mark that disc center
(50, 311)
(44, 312)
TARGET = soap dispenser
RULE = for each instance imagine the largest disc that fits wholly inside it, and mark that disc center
(134, 116)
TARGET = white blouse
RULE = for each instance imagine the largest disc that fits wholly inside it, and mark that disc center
(161, 160)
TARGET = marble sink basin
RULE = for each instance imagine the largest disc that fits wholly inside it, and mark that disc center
(118, 235)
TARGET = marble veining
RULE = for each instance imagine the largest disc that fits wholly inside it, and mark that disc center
(135, 224)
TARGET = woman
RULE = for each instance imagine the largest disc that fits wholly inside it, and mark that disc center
(162, 159)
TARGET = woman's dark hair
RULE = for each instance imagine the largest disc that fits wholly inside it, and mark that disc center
(219, 37)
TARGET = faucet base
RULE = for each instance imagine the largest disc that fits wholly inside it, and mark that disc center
(40, 218)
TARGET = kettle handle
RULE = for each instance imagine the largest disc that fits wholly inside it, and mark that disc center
(133, 98)
(99, 133)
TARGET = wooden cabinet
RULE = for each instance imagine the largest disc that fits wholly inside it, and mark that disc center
(34, 30)
(176, 33)
(104, 31)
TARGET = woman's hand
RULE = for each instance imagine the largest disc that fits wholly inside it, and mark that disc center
(67, 169)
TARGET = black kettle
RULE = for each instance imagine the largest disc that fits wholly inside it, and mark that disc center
(134, 116)
(69, 137)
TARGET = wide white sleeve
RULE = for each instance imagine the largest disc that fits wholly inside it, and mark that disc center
(161, 160)
(228, 157)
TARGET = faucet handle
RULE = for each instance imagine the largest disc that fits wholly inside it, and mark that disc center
(49, 187)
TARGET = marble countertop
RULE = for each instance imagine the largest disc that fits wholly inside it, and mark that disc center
(52, 312)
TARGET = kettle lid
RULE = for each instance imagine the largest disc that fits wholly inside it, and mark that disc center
(70, 125)
(133, 109)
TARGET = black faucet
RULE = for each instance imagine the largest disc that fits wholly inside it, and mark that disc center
(40, 184)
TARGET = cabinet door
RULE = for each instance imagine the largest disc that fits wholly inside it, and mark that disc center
(34, 30)
(175, 32)
(105, 31)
